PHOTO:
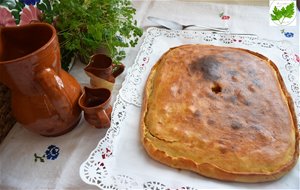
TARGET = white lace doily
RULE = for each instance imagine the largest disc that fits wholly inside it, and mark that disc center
(120, 162)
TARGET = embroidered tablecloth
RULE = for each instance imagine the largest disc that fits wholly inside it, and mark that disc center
(30, 161)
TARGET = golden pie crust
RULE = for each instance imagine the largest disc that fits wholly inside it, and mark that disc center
(221, 112)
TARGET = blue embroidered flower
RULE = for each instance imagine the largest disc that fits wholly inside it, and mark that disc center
(52, 152)
(30, 2)
(289, 34)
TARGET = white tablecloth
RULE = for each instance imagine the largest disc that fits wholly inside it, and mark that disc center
(21, 153)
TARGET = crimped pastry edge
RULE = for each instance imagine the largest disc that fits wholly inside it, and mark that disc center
(207, 169)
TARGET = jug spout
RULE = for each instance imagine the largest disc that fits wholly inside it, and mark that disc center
(18, 41)
(90, 69)
(20, 53)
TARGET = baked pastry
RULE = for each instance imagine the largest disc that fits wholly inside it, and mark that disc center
(221, 112)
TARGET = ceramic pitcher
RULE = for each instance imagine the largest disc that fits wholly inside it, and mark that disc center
(102, 71)
(95, 103)
(44, 97)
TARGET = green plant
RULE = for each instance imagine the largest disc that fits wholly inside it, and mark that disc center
(283, 13)
(85, 25)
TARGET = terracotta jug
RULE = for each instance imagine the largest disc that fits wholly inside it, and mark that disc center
(95, 103)
(44, 97)
(102, 71)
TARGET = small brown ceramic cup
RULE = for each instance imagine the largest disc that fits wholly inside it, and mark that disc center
(95, 103)
(102, 66)
(102, 71)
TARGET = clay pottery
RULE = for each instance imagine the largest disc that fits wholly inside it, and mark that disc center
(44, 97)
(102, 71)
(95, 103)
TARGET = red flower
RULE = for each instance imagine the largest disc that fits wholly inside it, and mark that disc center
(30, 14)
(297, 58)
(6, 18)
(225, 17)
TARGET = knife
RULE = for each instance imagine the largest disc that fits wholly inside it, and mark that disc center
(172, 25)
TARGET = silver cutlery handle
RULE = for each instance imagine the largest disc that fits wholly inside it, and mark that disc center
(205, 27)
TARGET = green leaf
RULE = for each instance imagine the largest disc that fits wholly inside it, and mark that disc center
(42, 7)
(289, 10)
(10, 4)
(19, 5)
(48, 4)
(277, 15)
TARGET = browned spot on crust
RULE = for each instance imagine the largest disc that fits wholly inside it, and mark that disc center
(208, 66)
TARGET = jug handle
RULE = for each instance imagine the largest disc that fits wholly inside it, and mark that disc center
(52, 86)
(118, 69)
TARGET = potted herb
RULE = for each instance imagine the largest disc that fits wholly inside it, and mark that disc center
(83, 26)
